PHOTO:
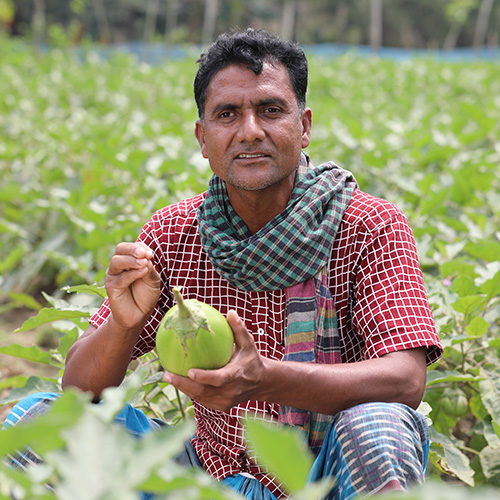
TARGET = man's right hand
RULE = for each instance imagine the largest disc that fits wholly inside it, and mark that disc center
(132, 284)
(100, 357)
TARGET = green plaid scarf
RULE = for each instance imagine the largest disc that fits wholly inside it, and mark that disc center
(291, 248)
(292, 251)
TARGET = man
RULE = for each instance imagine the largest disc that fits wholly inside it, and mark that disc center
(320, 283)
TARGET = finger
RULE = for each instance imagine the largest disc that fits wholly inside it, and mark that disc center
(242, 337)
(139, 250)
(215, 378)
(183, 384)
(152, 277)
(172, 378)
(120, 263)
(124, 279)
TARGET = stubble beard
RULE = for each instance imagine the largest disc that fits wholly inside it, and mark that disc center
(272, 178)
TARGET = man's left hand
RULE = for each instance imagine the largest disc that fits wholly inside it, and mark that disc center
(238, 381)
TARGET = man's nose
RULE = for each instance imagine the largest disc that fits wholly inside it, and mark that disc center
(251, 128)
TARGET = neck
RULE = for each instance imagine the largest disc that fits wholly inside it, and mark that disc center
(256, 208)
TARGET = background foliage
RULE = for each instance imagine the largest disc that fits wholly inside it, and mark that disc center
(396, 23)
(90, 147)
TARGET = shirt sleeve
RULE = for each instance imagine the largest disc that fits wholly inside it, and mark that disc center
(391, 310)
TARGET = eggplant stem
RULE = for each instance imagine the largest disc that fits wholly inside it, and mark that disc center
(182, 309)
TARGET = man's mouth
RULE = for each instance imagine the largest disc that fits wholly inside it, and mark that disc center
(248, 155)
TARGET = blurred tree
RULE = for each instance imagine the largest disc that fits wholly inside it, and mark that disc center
(408, 23)
(102, 21)
(482, 20)
(376, 24)
(235, 13)
(457, 11)
(171, 19)
(326, 21)
(288, 19)
(152, 9)
(209, 20)
(6, 14)
(38, 22)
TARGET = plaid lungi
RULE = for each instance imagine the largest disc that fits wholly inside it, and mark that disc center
(371, 447)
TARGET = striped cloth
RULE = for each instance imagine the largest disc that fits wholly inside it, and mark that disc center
(292, 247)
(368, 449)
(292, 252)
(373, 447)
(311, 337)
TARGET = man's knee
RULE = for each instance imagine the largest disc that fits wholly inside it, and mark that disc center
(393, 419)
(371, 447)
(370, 430)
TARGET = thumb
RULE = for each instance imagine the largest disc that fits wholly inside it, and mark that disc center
(242, 337)
(151, 276)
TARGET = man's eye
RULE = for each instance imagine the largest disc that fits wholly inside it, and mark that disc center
(272, 109)
(226, 114)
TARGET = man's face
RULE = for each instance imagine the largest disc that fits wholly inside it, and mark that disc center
(253, 131)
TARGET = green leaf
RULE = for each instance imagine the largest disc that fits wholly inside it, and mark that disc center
(496, 428)
(453, 461)
(490, 461)
(91, 289)
(274, 446)
(67, 341)
(464, 286)
(188, 484)
(490, 391)
(32, 353)
(470, 304)
(477, 327)
(32, 481)
(491, 287)
(26, 300)
(12, 259)
(48, 315)
(102, 460)
(457, 267)
(44, 432)
(433, 201)
(438, 377)
(16, 381)
(33, 384)
(113, 398)
(435, 489)
(485, 250)
(477, 407)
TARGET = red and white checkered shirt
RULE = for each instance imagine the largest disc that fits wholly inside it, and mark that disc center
(375, 280)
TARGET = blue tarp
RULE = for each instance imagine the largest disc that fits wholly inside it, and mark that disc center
(156, 52)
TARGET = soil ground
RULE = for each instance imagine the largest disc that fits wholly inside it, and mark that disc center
(11, 366)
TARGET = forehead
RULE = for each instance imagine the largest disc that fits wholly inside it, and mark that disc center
(238, 80)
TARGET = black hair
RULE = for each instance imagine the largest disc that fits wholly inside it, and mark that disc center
(251, 48)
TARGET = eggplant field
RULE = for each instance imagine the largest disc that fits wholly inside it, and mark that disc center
(91, 146)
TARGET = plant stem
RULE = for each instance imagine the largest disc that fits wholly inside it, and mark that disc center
(181, 407)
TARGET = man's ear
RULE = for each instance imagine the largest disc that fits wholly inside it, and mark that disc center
(199, 132)
(306, 126)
